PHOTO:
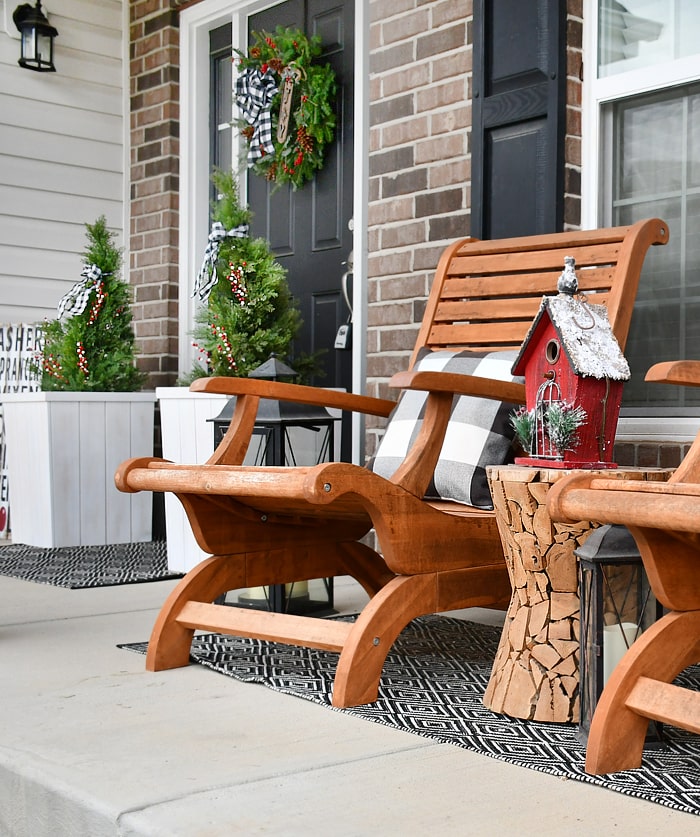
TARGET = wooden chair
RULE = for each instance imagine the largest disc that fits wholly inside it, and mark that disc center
(271, 525)
(664, 519)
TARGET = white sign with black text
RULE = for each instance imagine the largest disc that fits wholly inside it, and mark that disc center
(19, 345)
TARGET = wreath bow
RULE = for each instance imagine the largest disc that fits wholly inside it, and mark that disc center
(254, 94)
(75, 301)
(206, 278)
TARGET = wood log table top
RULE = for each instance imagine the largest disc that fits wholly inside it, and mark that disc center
(536, 671)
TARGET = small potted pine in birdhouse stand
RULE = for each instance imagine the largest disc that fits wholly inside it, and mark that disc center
(574, 373)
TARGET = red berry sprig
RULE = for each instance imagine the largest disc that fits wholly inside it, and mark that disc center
(82, 360)
(100, 297)
(224, 346)
(204, 355)
(52, 367)
(236, 278)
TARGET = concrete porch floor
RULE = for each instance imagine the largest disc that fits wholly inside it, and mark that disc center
(94, 745)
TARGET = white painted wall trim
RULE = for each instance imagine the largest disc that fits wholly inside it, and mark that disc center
(657, 429)
(126, 145)
(360, 213)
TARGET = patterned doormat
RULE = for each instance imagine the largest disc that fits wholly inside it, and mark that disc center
(432, 686)
(87, 566)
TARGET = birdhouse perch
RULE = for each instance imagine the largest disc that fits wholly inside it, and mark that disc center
(574, 373)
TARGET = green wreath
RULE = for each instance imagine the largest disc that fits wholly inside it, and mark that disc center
(286, 102)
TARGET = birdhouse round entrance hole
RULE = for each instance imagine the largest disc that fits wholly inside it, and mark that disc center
(552, 351)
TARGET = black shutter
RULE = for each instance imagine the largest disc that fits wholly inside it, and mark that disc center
(519, 113)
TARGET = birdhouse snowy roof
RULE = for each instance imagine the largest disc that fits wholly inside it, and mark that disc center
(585, 334)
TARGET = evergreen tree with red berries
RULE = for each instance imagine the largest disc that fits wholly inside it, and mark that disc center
(90, 346)
(248, 311)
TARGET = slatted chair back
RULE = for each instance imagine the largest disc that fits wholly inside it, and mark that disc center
(487, 293)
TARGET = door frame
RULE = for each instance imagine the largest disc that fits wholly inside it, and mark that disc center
(195, 24)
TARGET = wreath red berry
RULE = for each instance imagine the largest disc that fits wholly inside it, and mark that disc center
(286, 105)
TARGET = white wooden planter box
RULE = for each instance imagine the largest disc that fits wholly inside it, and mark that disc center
(63, 449)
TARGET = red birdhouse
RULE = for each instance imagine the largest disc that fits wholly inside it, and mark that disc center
(574, 373)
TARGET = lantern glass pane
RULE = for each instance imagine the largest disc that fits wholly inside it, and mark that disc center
(28, 44)
(627, 596)
(44, 44)
(590, 648)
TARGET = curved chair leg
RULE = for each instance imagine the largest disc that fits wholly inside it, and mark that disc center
(169, 645)
(616, 738)
(366, 566)
(387, 614)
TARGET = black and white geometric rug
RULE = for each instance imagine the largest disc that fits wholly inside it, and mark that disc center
(432, 686)
(87, 566)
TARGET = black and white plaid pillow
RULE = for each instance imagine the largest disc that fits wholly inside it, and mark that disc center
(479, 432)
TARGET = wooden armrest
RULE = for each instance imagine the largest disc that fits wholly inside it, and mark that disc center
(684, 372)
(280, 391)
(511, 391)
(656, 505)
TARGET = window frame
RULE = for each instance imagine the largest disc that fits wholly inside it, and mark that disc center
(597, 162)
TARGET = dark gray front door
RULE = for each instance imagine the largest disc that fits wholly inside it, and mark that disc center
(309, 229)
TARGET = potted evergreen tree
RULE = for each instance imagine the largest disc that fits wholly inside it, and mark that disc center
(248, 312)
(66, 441)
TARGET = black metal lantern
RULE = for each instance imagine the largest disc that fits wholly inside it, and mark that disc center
(617, 605)
(37, 38)
(288, 433)
(277, 420)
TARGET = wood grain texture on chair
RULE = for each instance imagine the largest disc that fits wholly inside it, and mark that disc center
(278, 525)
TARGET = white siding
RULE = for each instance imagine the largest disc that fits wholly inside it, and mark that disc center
(61, 152)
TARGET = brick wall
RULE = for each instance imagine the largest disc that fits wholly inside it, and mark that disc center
(645, 454)
(154, 198)
(420, 117)
(420, 111)
(419, 167)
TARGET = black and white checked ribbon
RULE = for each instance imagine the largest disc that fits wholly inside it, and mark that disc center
(206, 278)
(254, 94)
(75, 301)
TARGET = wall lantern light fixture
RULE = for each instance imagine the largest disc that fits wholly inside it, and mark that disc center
(37, 38)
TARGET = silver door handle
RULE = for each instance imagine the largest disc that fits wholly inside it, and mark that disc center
(344, 282)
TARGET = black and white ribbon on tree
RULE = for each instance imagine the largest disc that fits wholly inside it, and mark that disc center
(75, 301)
(206, 278)
(254, 94)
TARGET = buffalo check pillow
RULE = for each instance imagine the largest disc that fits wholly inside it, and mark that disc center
(479, 432)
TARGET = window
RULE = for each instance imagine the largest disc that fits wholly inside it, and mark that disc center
(645, 100)
(643, 33)
(220, 99)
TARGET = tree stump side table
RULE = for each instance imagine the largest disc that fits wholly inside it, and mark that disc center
(536, 671)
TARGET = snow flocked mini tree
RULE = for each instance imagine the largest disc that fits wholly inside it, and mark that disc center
(249, 312)
(90, 347)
